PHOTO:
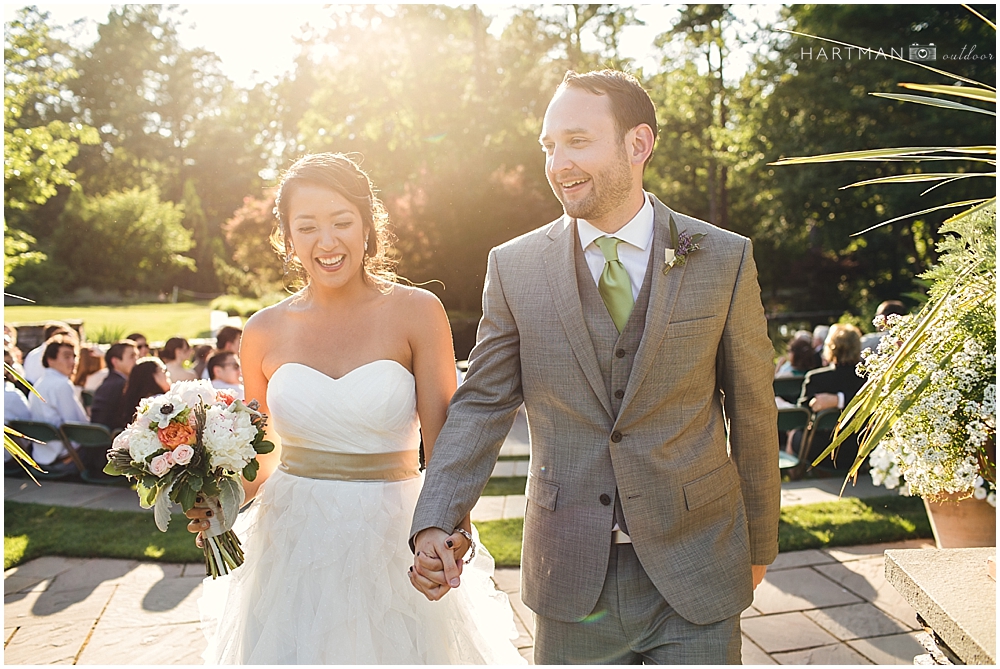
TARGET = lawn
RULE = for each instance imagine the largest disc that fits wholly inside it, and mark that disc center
(158, 321)
(32, 530)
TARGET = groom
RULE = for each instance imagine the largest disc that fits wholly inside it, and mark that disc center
(636, 339)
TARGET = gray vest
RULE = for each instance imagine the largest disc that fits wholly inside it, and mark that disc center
(615, 352)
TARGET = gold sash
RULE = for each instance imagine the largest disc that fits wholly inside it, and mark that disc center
(316, 464)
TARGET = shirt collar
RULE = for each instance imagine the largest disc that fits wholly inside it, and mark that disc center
(638, 232)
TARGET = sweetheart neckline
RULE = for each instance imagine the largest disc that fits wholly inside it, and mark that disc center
(344, 376)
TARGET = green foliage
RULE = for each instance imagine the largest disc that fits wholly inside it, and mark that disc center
(134, 224)
(255, 269)
(505, 485)
(32, 530)
(502, 539)
(244, 306)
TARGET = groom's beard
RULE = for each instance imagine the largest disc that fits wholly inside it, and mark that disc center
(610, 189)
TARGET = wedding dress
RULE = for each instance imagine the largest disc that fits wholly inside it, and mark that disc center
(325, 579)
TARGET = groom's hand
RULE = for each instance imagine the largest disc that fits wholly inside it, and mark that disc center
(435, 570)
(758, 571)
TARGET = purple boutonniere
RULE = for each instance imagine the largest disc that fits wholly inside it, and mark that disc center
(681, 246)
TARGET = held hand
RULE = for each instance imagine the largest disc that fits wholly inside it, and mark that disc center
(823, 401)
(434, 570)
(199, 515)
(758, 571)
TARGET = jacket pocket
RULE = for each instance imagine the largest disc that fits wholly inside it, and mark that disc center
(711, 486)
(690, 328)
(542, 492)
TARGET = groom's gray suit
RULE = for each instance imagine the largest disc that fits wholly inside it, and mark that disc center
(680, 423)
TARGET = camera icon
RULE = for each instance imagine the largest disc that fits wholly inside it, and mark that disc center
(923, 52)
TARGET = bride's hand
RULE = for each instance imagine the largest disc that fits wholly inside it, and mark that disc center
(199, 515)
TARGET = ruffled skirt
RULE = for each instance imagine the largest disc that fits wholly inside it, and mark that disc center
(325, 582)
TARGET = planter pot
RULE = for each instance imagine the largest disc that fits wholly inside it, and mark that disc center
(967, 523)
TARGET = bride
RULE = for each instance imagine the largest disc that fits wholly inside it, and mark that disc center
(348, 369)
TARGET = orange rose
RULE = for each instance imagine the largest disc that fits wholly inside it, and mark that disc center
(176, 434)
(226, 396)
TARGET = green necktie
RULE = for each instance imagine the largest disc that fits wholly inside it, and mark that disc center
(614, 284)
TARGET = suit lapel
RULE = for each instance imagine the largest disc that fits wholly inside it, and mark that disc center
(663, 294)
(560, 269)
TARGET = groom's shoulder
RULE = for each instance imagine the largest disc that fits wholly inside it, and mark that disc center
(534, 240)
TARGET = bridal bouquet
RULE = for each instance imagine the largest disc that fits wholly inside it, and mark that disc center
(193, 440)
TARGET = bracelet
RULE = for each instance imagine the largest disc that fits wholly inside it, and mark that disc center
(471, 541)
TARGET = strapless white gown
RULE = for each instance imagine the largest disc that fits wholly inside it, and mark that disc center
(325, 578)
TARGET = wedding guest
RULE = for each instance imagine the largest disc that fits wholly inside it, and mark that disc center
(149, 378)
(141, 344)
(224, 372)
(800, 357)
(819, 337)
(91, 362)
(202, 352)
(60, 405)
(174, 354)
(107, 407)
(227, 340)
(33, 367)
(886, 309)
(10, 348)
(15, 404)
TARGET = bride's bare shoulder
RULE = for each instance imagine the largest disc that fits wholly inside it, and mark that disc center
(267, 320)
(411, 302)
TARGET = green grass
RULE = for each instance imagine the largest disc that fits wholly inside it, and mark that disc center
(158, 321)
(34, 530)
(847, 522)
(505, 485)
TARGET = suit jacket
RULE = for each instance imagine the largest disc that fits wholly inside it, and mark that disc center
(699, 513)
(106, 409)
(832, 379)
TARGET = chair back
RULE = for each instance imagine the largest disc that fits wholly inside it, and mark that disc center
(825, 420)
(88, 434)
(793, 418)
(87, 398)
(788, 387)
(37, 430)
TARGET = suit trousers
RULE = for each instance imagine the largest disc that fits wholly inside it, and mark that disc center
(633, 624)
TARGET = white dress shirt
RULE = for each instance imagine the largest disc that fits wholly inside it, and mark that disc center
(235, 388)
(33, 367)
(15, 407)
(637, 236)
(60, 406)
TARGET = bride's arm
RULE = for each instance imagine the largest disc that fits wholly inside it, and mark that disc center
(253, 346)
(434, 370)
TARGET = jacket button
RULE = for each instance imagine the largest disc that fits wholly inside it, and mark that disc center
(616, 436)
(605, 500)
(619, 394)
(620, 353)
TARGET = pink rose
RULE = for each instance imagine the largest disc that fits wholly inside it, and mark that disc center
(160, 465)
(183, 454)
(175, 434)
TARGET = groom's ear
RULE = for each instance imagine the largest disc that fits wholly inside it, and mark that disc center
(639, 144)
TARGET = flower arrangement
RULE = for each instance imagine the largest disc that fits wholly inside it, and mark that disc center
(932, 430)
(194, 440)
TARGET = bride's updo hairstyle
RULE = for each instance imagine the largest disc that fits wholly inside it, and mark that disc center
(339, 173)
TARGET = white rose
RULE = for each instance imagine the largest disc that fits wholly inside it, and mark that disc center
(141, 442)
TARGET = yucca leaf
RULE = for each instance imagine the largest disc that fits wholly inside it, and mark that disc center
(970, 92)
(916, 178)
(883, 154)
(968, 212)
(933, 102)
(951, 205)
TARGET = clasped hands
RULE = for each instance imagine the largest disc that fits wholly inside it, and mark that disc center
(437, 562)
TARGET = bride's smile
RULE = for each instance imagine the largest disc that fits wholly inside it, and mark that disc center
(327, 235)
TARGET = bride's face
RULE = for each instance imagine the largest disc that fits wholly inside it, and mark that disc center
(327, 234)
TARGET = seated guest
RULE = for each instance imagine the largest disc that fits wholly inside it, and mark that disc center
(202, 352)
(227, 340)
(91, 362)
(15, 404)
(801, 357)
(175, 353)
(10, 349)
(107, 407)
(224, 372)
(140, 343)
(149, 378)
(819, 338)
(834, 386)
(33, 367)
(886, 309)
(60, 404)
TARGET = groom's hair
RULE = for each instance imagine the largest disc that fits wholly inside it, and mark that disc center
(629, 101)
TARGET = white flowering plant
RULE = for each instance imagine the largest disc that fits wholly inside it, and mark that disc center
(926, 418)
(194, 440)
